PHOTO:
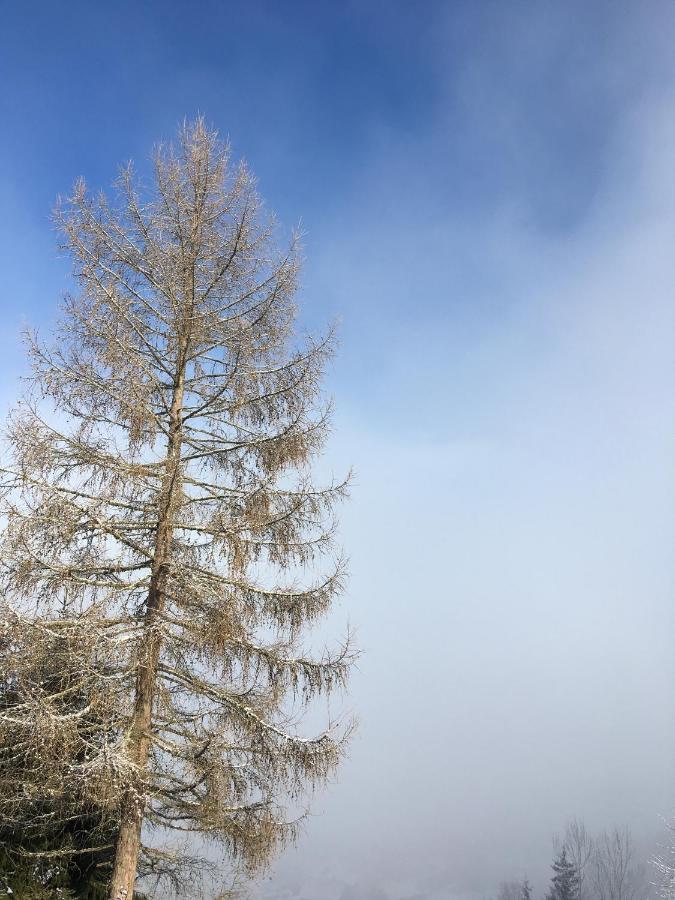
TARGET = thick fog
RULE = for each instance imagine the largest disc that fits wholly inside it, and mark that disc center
(503, 266)
(513, 519)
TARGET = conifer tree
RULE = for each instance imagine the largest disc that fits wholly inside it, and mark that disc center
(52, 843)
(565, 880)
(162, 523)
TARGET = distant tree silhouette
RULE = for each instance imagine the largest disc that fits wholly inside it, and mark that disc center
(565, 880)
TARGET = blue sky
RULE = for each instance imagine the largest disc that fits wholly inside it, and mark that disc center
(353, 115)
(488, 195)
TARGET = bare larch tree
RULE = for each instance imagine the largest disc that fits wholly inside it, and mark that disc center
(161, 521)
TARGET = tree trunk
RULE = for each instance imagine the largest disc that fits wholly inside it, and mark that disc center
(133, 802)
